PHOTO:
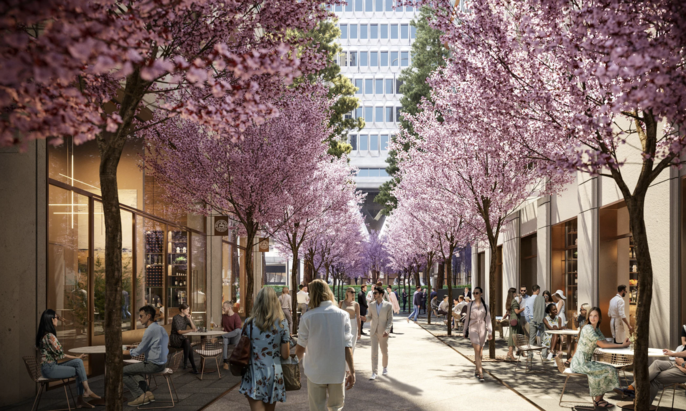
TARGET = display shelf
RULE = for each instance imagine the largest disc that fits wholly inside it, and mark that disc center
(177, 261)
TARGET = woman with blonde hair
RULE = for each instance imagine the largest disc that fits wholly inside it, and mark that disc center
(267, 329)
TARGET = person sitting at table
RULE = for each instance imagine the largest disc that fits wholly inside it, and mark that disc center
(154, 347)
(581, 320)
(177, 339)
(661, 373)
(231, 324)
(602, 378)
(434, 306)
(552, 321)
(51, 351)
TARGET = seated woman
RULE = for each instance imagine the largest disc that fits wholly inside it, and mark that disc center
(434, 306)
(581, 319)
(552, 321)
(602, 378)
(177, 339)
(51, 351)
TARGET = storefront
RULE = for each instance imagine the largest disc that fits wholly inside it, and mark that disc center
(564, 267)
(527, 273)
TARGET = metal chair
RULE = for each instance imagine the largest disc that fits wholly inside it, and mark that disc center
(523, 347)
(619, 361)
(33, 367)
(210, 349)
(567, 372)
(172, 365)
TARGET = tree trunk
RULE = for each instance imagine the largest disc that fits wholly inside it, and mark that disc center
(250, 286)
(636, 210)
(448, 272)
(440, 278)
(308, 272)
(234, 268)
(294, 292)
(493, 242)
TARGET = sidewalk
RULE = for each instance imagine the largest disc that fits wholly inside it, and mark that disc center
(424, 374)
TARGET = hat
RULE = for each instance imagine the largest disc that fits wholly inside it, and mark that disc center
(560, 294)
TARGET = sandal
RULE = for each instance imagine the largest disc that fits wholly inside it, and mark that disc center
(481, 378)
(602, 404)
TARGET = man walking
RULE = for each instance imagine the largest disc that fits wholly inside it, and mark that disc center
(155, 347)
(424, 298)
(618, 316)
(303, 299)
(404, 300)
(362, 301)
(536, 325)
(381, 321)
(416, 301)
(325, 347)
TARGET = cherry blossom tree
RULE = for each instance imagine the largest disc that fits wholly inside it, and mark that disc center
(375, 254)
(92, 69)
(594, 86)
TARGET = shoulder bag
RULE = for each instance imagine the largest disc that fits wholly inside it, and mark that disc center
(242, 354)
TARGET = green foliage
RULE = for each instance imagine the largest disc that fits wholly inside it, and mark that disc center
(341, 89)
(428, 55)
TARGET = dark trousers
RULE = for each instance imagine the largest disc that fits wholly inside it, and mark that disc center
(188, 353)
(363, 312)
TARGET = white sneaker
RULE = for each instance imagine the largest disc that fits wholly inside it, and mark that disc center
(550, 356)
(385, 371)
(373, 377)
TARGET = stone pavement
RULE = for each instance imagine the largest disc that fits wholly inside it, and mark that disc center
(424, 374)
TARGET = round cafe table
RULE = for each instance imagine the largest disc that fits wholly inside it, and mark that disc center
(91, 350)
(652, 352)
(203, 337)
(569, 334)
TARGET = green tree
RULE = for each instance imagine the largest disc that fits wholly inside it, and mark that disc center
(428, 54)
(341, 89)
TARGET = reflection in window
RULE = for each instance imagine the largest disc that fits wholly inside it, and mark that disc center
(374, 143)
(343, 59)
(389, 114)
(368, 86)
(389, 86)
(344, 31)
(384, 142)
(373, 59)
(384, 31)
(379, 114)
(353, 59)
(364, 142)
(379, 86)
(353, 141)
(398, 6)
(404, 32)
(363, 172)
(398, 83)
(360, 87)
(394, 31)
(397, 113)
(394, 59)
(383, 173)
(384, 59)
(404, 59)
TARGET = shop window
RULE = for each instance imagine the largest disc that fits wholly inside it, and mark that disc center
(528, 274)
(571, 266)
(198, 280)
(177, 271)
(150, 279)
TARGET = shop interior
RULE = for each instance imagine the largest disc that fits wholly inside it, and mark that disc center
(527, 266)
(564, 275)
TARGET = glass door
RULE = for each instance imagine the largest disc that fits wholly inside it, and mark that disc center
(571, 269)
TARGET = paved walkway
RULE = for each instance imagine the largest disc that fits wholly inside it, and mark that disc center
(424, 374)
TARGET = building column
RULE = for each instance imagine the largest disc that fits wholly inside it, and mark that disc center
(214, 274)
(512, 257)
(588, 239)
(543, 244)
(475, 265)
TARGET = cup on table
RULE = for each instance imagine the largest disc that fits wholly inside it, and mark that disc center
(124, 347)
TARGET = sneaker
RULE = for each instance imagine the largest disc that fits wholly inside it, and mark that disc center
(142, 400)
(149, 396)
(385, 371)
(373, 377)
(550, 356)
(226, 365)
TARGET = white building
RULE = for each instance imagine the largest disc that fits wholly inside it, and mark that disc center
(376, 39)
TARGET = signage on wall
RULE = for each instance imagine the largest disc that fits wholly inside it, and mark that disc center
(221, 225)
(264, 245)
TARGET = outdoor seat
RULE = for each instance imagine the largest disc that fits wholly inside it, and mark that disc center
(33, 367)
(619, 361)
(172, 365)
(211, 349)
(524, 348)
(567, 372)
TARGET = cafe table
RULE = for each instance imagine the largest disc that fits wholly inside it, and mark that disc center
(569, 334)
(92, 350)
(652, 352)
(203, 337)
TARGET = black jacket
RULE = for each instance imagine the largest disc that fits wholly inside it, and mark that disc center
(362, 301)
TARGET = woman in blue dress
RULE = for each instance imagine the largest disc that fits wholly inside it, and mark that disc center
(263, 383)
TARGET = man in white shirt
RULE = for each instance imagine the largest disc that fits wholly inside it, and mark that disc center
(529, 309)
(324, 346)
(303, 299)
(618, 317)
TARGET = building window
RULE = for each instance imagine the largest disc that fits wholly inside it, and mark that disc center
(379, 87)
(398, 7)
(373, 59)
(384, 59)
(379, 5)
(358, 112)
(384, 31)
(404, 58)
(369, 5)
(344, 31)
(394, 59)
(363, 32)
(413, 32)
(363, 59)
(398, 83)
(384, 142)
(348, 116)
(364, 142)
(397, 113)
(389, 114)
(369, 114)
(358, 84)
(383, 173)
(389, 86)
(373, 31)
(358, 5)
(349, 6)
(394, 31)
(343, 59)
(409, 7)
(353, 141)
(339, 7)
(368, 86)
(353, 59)
(379, 114)
(374, 143)
(363, 172)
(353, 31)
(389, 5)
(404, 31)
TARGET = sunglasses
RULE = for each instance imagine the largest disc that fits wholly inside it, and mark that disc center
(476, 293)
(374, 292)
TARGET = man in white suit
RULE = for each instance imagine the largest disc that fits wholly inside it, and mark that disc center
(380, 315)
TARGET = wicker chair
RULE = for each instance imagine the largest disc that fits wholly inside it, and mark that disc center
(619, 361)
(567, 372)
(524, 348)
(211, 349)
(33, 367)
(172, 365)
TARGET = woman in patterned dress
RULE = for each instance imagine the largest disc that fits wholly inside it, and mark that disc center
(267, 329)
(478, 325)
(512, 303)
(602, 378)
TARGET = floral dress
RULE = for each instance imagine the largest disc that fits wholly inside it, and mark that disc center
(553, 322)
(602, 378)
(263, 380)
(518, 328)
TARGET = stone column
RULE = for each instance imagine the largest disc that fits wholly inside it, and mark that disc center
(512, 249)
(543, 244)
(588, 238)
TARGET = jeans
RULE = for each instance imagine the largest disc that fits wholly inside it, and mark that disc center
(662, 373)
(134, 376)
(415, 312)
(231, 338)
(71, 368)
(536, 329)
